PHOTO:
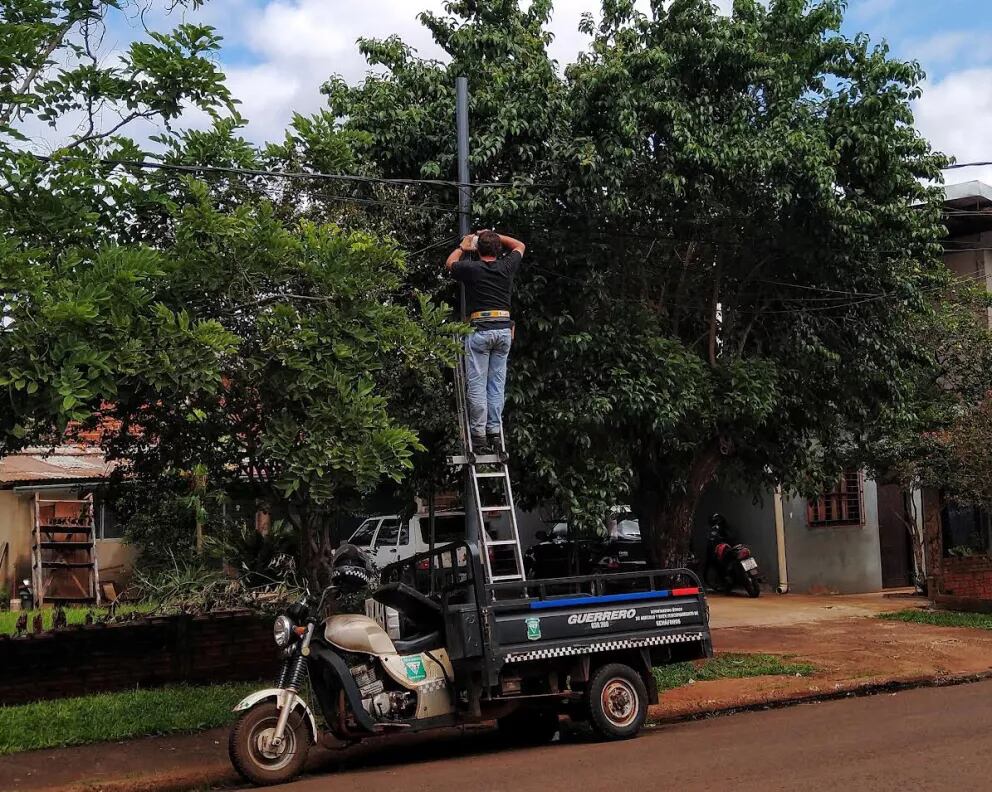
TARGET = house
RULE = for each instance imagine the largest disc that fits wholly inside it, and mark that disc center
(864, 535)
(857, 537)
(958, 538)
(61, 474)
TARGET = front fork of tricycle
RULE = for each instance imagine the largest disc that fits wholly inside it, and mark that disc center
(290, 680)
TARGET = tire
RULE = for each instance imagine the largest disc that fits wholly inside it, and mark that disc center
(617, 700)
(528, 726)
(752, 587)
(251, 761)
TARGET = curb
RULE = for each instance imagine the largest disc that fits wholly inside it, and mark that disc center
(862, 690)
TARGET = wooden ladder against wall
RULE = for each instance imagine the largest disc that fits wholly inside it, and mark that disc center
(64, 565)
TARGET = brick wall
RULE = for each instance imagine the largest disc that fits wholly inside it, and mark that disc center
(953, 582)
(196, 649)
(965, 583)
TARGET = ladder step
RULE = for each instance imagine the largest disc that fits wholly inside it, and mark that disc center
(64, 545)
(74, 528)
(483, 459)
(502, 578)
(494, 508)
(497, 542)
(66, 564)
(490, 474)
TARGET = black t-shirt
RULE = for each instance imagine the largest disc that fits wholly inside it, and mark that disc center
(488, 285)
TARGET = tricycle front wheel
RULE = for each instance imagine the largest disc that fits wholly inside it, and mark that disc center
(618, 702)
(252, 753)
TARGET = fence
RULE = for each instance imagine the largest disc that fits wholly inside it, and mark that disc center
(233, 646)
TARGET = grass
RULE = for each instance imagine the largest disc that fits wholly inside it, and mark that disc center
(74, 615)
(728, 666)
(939, 618)
(117, 716)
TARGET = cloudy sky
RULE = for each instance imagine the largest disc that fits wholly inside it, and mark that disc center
(278, 52)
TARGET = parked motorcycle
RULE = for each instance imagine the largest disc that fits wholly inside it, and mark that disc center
(729, 563)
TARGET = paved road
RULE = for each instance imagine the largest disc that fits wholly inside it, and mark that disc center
(932, 739)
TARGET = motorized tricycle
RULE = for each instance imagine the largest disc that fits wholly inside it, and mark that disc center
(520, 653)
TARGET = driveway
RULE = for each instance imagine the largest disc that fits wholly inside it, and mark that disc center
(782, 610)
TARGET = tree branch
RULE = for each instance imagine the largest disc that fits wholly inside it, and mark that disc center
(7, 115)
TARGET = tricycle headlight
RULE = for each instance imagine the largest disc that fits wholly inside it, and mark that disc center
(282, 630)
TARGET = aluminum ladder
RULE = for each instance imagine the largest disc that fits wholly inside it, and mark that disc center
(502, 557)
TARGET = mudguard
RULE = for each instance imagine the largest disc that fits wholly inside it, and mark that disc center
(280, 697)
(347, 681)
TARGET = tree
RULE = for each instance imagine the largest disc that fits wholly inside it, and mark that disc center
(202, 325)
(731, 248)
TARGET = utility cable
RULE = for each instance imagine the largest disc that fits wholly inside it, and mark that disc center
(305, 175)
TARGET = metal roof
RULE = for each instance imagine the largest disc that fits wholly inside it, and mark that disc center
(63, 463)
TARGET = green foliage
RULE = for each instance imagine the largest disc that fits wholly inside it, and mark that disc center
(213, 326)
(76, 615)
(118, 716)
(728, 666)
(939, 618)
(730, 257)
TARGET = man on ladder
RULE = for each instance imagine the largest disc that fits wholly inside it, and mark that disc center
(488, 283)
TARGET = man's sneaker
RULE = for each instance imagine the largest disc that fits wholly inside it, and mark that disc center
(495, 442)
(480, 446)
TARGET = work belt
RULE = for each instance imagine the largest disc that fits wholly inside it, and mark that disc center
(488, 315)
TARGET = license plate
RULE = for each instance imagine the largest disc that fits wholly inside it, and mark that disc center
(749, 564)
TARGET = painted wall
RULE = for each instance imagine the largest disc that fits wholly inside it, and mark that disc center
(752, 521)
(973, 264)
(15, 528)
(116, 558)
(843, 560)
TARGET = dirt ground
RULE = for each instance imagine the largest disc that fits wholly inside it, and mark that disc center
(852, 650)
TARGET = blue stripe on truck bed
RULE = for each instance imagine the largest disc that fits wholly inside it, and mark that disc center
(603, 598)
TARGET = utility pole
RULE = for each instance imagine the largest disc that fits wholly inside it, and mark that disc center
(472, 527)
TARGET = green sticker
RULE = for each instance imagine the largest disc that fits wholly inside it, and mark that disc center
(415, 670)
(533, 628)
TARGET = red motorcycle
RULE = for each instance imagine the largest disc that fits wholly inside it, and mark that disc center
(729, 564)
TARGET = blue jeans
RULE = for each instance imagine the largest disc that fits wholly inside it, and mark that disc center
(486, 353)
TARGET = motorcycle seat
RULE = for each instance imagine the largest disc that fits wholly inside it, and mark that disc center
(418, 643)
(420, 609)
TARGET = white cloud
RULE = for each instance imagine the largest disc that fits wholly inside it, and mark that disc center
(955, 113)
(960, 47)
(870, 9)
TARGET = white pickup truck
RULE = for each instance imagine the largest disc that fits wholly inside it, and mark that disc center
(387, 538)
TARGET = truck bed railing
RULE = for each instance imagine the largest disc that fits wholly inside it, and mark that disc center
(656, 582)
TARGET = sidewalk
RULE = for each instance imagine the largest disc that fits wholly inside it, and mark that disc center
(853, 653)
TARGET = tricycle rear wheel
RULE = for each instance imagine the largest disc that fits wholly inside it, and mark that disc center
(617, 699)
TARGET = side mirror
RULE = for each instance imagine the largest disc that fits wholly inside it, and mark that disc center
(541, 536)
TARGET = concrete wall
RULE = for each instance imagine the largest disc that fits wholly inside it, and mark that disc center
(843, 559)
(116, 558)
(752, 521)
(15, 528)
(973, 264)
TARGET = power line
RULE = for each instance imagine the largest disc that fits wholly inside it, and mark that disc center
(304, 175)
(958, 165)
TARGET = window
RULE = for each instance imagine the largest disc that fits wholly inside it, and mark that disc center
(966, 529)
(363, 536)
(842, 505)
(388, 533)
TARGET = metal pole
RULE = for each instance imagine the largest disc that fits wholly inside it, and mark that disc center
(472, 527)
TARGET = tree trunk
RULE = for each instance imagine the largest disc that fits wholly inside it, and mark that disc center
(666, 507)
(316, 544)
